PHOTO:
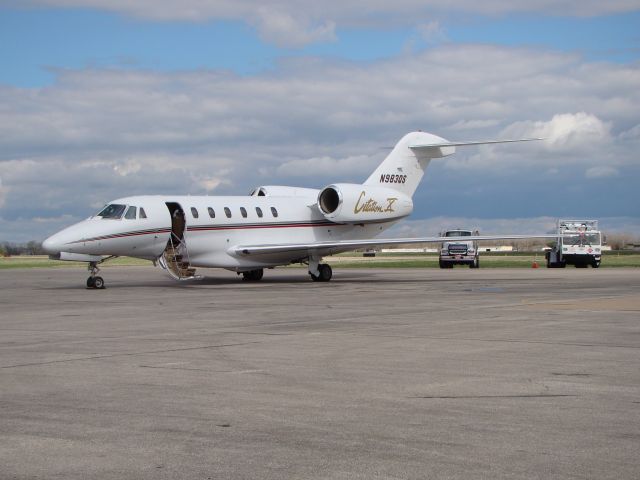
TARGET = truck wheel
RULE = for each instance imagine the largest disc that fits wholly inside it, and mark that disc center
(442, 264)
(475, 263)
(596, 264)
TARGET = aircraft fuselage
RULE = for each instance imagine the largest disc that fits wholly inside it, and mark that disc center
(212, 224)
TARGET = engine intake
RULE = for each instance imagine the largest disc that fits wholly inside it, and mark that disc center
(329, 200)
(352, 203)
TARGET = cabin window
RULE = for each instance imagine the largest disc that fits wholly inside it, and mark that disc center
(274, 212)
(259, 212)
(131, 213)
(243, 212)
(212, 214)
(142, 213)
(227, 212)
(194, 212)
(113, 211)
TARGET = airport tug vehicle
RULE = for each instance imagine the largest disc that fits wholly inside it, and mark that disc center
(579, 243)
(459, 252)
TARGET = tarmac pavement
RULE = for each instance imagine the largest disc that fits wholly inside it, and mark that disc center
(380, 373)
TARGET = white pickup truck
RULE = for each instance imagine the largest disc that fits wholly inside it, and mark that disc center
(459, 252)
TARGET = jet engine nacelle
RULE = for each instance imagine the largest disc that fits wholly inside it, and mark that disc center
(352, 203)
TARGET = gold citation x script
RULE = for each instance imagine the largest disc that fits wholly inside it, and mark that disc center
(371, 205)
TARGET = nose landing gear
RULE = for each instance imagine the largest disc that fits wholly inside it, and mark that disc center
(94, 280)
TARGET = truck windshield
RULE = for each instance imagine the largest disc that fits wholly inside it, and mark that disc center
(586, 239)
(458, 233)
(113, 211)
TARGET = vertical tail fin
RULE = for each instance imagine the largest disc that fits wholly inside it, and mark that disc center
(404, 167)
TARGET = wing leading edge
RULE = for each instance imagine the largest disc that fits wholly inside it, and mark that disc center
(326, 248)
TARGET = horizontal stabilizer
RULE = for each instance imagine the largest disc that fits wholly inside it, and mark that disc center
(462, 144)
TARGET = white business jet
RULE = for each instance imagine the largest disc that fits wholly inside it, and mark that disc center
(273, 226)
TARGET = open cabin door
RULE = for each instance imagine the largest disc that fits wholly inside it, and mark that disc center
(175, 258)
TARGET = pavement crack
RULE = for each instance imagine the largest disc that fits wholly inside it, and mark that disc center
(130, 354)
(457, 397)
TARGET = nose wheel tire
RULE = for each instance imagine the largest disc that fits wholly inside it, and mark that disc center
(325, 273)
(95, 282)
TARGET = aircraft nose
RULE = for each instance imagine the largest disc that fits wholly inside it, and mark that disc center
(52, 245)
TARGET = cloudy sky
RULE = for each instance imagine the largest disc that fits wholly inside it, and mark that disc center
(106, 98)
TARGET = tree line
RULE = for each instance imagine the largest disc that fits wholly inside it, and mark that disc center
(8, 249)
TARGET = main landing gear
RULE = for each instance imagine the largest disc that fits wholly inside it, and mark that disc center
(253, 275)
(319, 272)
(324, 273)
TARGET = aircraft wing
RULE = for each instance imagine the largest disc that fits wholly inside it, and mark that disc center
(328, 248)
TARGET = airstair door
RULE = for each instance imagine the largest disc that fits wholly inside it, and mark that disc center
(175, 258)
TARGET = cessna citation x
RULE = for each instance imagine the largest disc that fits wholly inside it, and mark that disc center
(274, 225)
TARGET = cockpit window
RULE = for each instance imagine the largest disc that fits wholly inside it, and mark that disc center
(142, 213)
(131, 213)
(113, 211)
(458, 233)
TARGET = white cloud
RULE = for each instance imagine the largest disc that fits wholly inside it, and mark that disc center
(209, 183)
(295, 23)
(432, 32)
(198, 10)
(103, 134)
(566, 132)
(3, 193)
(601, 171)
(322, 165)
(505, 226)
(127, 168)
(285, 30)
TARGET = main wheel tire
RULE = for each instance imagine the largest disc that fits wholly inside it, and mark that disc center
(253, 275)
(91, 282)
(325, 272)
(98, 282)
